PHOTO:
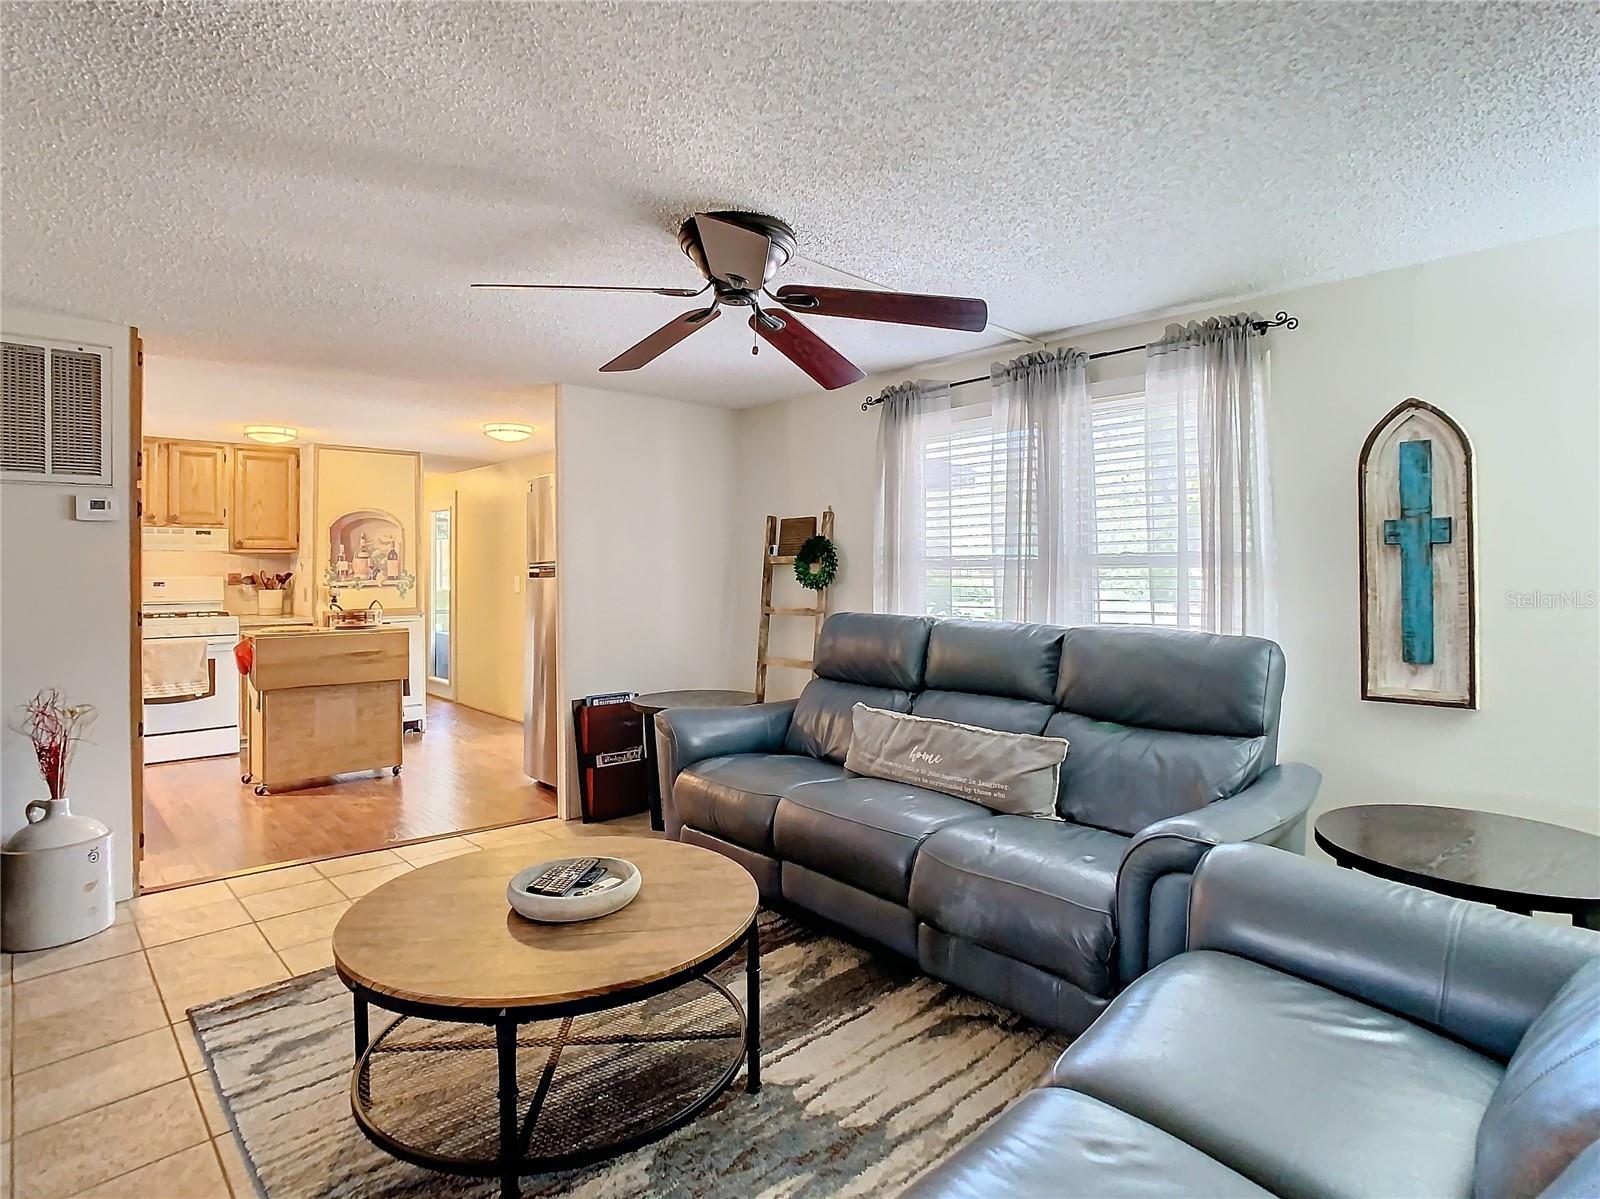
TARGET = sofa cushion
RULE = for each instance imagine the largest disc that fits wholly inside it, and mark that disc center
(1547, 1110)
(991, 657)
(863, 831)
(734, 797)
(1056, 1142)
(821, 722)
(1125, 779)
(984, 711)
(1304, 1091)
(1173, 679)
(1040, 891)
(874, 649)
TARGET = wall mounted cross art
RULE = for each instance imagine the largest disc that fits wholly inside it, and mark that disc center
(1419, 610)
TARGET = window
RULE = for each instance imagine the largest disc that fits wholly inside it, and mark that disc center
(1146, 540)
(963, 469)
(439, 603)
(1143, 534)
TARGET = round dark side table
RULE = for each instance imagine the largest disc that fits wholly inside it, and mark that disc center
(1516, 864)
(649, 704)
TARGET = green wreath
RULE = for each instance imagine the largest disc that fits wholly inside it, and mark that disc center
(817, 563)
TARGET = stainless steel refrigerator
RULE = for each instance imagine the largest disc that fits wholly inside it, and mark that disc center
(541, 718)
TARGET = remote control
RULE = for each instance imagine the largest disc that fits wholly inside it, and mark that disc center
(589, 878)
(559, 879)
(604, 884)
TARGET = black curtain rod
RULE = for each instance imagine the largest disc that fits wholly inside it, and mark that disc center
(1282, 320)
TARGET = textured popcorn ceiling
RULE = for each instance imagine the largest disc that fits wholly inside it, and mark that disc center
(319, 185)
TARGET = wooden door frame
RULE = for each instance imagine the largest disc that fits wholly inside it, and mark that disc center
(136, 591)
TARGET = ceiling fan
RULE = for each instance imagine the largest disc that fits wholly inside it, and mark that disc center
(738, 252)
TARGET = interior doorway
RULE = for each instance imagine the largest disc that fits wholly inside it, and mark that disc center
(441, 658)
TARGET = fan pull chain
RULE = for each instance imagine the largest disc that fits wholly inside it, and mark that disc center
(755, 343)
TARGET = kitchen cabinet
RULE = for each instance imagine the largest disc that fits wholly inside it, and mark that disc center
(153, 483)
(266, 499)
(196, 484)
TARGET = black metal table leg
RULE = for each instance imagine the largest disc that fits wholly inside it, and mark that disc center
(752, 977)
(505, 1044)
(361, 1024)
(652, 775)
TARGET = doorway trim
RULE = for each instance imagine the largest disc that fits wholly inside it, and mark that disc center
(443, 689)
(136, 592)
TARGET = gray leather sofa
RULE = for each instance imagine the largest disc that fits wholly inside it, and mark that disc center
(1326, 1035)
(1173, 749)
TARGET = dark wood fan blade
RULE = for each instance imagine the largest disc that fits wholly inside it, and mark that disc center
(734, 254)
(895, 307)
(662, 340)
(809, 352)
(655, 291)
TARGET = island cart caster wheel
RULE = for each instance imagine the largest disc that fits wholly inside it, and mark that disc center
(244, 778)
(395, 770)
(261, 789)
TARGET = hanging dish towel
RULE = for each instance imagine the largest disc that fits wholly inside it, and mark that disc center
(175, 668)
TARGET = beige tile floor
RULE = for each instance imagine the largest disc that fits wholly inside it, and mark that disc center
(105, 1091)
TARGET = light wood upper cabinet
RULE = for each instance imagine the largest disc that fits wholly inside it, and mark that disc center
(197, 483)
(153, 483)
(266, 499)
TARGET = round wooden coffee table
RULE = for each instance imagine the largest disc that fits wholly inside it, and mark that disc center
(473, 982)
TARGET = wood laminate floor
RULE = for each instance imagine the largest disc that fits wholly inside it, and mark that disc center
(464, 773)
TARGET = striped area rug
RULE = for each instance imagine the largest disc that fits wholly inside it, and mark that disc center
(871, 1073)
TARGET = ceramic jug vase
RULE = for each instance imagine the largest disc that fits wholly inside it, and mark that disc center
(56, 874)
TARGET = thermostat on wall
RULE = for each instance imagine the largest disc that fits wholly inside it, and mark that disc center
(96, 507)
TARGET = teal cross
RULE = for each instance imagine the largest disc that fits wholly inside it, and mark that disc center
(1416, 533)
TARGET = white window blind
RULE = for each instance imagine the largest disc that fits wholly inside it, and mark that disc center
(1146, 546)
(1147, 512)
(964, 517)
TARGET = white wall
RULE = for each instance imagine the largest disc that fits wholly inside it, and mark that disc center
(65, 615)
(1508, 342)
(489, 602)
(208, 400)
(645, 493)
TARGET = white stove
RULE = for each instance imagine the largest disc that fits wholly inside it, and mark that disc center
(185, 606)
(198, 726)
(190, 624)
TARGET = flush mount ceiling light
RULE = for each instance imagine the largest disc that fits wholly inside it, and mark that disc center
(508, 430)
(271, 434)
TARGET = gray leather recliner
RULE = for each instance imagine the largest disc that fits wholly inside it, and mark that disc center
(1325, 1035)
(1173, 749)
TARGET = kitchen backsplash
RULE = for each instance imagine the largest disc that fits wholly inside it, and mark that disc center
(240, 600)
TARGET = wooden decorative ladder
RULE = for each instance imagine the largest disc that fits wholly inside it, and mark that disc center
(784, 539)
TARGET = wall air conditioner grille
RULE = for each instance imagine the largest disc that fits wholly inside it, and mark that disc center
(76, 415)
(55, 424)
(22, 409)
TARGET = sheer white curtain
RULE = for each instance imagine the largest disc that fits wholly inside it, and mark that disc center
(1214, 372)
(910, 417)
(1042, 410)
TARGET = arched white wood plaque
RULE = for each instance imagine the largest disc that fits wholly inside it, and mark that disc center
(1419, 609)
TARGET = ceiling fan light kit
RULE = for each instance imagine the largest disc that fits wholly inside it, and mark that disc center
(738, 253)
(507, 430)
